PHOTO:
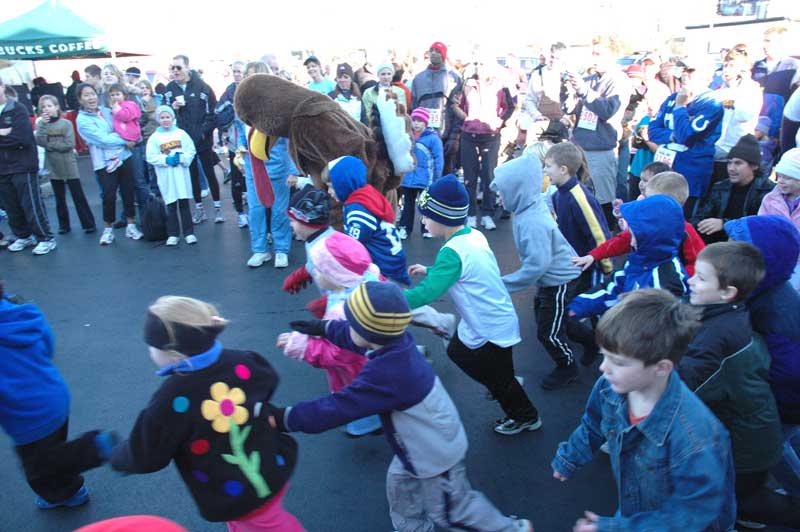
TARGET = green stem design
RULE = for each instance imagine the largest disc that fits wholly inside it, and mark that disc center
(250, 465)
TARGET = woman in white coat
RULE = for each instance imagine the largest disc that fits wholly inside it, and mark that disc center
(170, 150)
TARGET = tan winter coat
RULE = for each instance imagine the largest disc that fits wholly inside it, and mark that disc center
(58, 140)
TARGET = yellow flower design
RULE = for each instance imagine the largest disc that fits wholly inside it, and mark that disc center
(224, 407)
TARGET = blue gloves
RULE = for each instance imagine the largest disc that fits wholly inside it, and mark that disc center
(174, 159)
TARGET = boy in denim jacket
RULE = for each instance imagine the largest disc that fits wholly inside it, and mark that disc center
(670, 456)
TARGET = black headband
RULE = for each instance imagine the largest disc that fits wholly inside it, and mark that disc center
(189, 340)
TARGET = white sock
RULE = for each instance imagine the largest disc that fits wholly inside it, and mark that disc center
(217, 204)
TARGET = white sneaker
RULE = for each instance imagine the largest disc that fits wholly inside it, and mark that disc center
(281, 260)
(107, 237)
(472, 222)
(488, 223)
(199, 215)
(190, 239)
(402, 233)
(218, 217)
(133, 232)
(242, 221)
(426, 234)
(44, 247)
(269, 238)
(258, 259)
(22, 243)
(523, 525)
(204, 193)
(173, 241)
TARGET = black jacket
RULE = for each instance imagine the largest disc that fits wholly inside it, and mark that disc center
(717, 202)
(727, 366)
(231, 465)
(197, 116)
(17, 149)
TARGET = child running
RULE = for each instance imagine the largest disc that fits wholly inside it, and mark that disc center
(427, 482)
(35, 410)
(235, 464)
(670, 456)
(170, 150)
(466, 268)
(340, 264)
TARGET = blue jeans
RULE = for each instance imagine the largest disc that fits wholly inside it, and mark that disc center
(141, 189)
(787, 471)
(280, 228)
(257, 214)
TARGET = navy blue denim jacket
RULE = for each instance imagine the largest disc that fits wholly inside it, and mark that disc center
(674, 470)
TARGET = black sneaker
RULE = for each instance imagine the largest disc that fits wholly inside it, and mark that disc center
(512, 426)
(590, 354)
(560, 377)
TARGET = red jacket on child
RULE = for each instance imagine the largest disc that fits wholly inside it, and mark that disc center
(621, 244)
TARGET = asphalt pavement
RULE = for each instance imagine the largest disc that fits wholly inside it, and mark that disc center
(95, 298)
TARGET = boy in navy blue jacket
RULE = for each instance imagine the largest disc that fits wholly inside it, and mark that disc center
(368, 215)
(582, 222)
(34, 411)
(427, 482)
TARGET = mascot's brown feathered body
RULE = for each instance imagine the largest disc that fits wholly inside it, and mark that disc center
(319, 130)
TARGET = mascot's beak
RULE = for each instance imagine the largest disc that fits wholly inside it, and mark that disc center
(260, 144)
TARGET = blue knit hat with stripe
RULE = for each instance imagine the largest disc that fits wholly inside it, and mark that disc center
(378, 312)
(446, 201)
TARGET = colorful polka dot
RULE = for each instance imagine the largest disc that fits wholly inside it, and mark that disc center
(234, 488)
(199, 476)
(242, 371)
(279, 460)
(180, 404)
(199, 446)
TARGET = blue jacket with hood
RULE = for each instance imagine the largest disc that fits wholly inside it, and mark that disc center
(775, 305)
(34, 400)
(658, 226)
(430, 160)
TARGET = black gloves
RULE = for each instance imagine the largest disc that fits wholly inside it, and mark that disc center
(309, 327)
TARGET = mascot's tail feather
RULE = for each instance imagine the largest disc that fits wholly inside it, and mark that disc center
(399, 143)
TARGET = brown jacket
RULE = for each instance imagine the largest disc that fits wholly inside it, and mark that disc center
(58, 140)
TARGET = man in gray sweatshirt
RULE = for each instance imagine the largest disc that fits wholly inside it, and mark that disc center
(599, 103)
(545, 257)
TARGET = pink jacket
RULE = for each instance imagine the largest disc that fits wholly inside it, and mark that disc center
(126, 121)
(773, 203)
(341, 365)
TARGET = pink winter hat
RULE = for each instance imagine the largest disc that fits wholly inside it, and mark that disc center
(421, 114)
(343, 259)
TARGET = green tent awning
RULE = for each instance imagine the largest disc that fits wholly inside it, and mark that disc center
(52, 31)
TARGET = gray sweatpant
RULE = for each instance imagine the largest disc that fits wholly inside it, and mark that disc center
(446, 500)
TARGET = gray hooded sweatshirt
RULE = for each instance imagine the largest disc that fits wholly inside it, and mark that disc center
(543, 251)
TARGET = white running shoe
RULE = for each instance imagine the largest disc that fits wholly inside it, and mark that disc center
(131, 231)
(173, 241)
(199, 215)
(488, 223)
(107, 237)
(204, 193)
(269, 238)
(258, 259)
(242, 221)
(426, 234)
(472, 222)
(218, 217)
(281, 260)
(402, 233)
(22, 243)
(191, 239)
(44, 247)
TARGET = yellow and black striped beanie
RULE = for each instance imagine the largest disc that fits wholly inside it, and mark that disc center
(378, 312)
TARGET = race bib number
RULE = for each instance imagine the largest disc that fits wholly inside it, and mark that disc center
(588, 120)
(665, 155)
(435, 118)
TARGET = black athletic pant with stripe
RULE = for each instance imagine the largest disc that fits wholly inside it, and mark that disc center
(550, 307)
(22, 200)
